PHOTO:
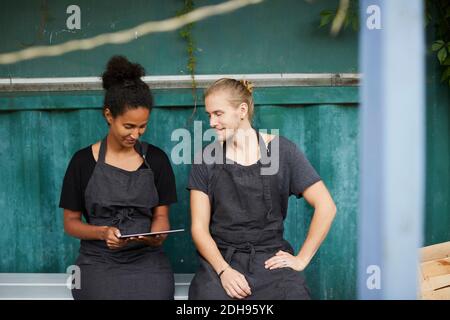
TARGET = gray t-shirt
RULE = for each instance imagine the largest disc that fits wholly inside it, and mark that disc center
(295, 174)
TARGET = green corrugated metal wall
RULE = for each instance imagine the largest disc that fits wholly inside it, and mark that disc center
(437, 202)
(40, 131)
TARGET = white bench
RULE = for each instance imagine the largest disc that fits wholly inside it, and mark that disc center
(52, 286)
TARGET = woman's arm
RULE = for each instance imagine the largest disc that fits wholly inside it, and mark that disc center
(320, 199)
(74, 226)
(160, 222)
(160, 219)
(234, 283)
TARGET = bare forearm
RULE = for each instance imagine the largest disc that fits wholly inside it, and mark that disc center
(78, 229)
(318, 230)
(160, 223)
(160, 219)
(207, 247)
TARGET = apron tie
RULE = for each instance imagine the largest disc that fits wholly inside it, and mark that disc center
(251, 259)
(248, 248)
(122, 216)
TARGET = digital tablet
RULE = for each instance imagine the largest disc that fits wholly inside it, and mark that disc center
(123, 236)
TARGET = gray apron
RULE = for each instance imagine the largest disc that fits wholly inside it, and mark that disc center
(247, 226)
(123, 199)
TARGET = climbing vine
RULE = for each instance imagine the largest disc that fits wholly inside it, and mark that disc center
(437, 14)
(45, 18)
(186, 35)
(351, 14)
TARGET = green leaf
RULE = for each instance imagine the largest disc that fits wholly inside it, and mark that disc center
(326, 12)
(447, 61)
(437, 45)
(325, 20)
(445, 74)
(442, 55)
(326, 17)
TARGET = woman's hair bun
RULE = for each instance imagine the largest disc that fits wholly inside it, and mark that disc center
(247, 84)
(120, 71)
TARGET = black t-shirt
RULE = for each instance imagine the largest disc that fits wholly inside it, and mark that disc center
(82, 166)
(295, 173)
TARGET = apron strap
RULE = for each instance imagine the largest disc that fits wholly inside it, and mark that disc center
(142, 148)
(263, 146)
(265, 179)
(102, 152)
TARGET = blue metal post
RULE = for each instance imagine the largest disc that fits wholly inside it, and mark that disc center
(392, 121)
